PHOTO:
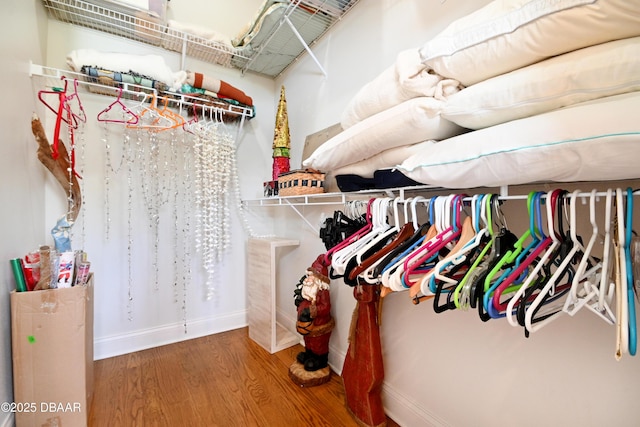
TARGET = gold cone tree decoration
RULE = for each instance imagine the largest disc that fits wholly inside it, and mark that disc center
(281, 139)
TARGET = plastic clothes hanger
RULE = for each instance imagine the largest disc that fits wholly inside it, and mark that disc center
(126, 115)
(395, 258)
(457, 254)
(389, 231)
(583, 289)
(61, 95)
(451, 232)
(504, 241)
(606, 288)
(177, 119)
(355, 236)
(365, 268)
(64, 102)
(427, 284)
(520, 296)
(512, 278)
(550, 287)
(150, 118)
(622, 289)
(455, 265)
(463, 253)
(81, 115)
(440, 219)
(394, 253)
(512, 258)
(392, 275)
(462, 293)
(480, 249)
(376, 248)
(63, 107)
(456, 260)
(628, 223)
(188, 125)
(342, 256)
(550, 270)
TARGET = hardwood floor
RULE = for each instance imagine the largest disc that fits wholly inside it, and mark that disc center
(224, 379)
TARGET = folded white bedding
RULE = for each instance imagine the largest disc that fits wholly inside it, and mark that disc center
(152, 66)
(412, 121)
(590, 73)
(597, 140)
(506, 35)
(385, 160)
(407, 78)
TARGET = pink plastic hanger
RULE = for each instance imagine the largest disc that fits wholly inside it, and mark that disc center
(431, 249)
(103, 116)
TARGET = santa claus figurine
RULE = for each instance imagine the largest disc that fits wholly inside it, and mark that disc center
(314, 323)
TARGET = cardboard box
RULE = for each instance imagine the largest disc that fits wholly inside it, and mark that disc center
(52, 346)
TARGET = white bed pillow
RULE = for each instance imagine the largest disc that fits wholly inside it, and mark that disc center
(508, 34)
(384, 160)
(597, 140)
(582, 75)
(412, 121)
(407, 78)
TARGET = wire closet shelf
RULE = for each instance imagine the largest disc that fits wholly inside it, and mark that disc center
(141, 26)
(147, 27)
(53, 77)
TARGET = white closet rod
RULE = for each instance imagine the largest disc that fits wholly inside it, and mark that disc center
(582, 195)
(176, 100)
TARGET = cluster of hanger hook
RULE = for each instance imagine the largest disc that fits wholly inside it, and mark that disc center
(147, 114)
(463, 256)
(150, 112)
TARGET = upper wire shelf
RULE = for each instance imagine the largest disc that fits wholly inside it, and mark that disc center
(141, 27)
(307, 20)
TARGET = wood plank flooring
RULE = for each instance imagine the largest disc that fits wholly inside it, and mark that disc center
(224, 379)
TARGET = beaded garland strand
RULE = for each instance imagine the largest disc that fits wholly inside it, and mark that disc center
(207, 181)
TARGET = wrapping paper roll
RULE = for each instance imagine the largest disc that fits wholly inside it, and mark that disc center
(16, 266)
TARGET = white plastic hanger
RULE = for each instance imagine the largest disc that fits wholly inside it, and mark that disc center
(583, 287)
(367, 275)
(549, 287)
(457, 254)
(342, 256)
(606, 288)
(392, 277)
(386, 277)
(555, 242)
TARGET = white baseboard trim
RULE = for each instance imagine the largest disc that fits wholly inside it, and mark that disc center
(400, 408)
(7, 420)
(405, 411)
(143, 339)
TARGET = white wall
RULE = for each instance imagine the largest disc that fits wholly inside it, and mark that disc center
(156, 311)
(450, 368)
(22, 196)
